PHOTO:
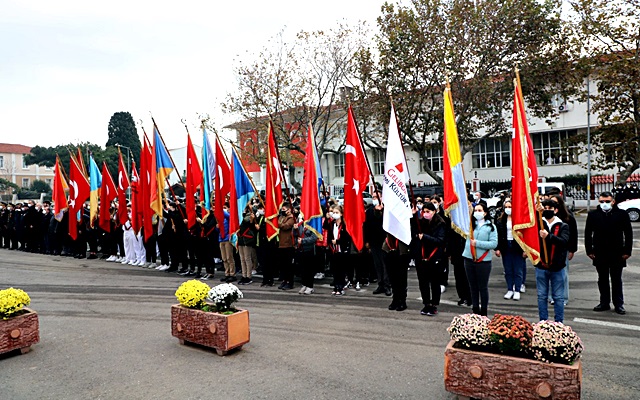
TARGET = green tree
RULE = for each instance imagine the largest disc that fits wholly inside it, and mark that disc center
(610, 32)
(122, 131)
(8, 187)
(477, 44)
(46, 156)
(40, 186)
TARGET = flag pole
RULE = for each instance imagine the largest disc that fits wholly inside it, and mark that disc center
(168, 152)
(537, 197)
(248, 176)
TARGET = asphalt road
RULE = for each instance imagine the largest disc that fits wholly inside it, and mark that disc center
(105, 334)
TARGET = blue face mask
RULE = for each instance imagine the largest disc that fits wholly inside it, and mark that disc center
(606, 206)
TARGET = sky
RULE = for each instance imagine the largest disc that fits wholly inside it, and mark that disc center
(67, 66)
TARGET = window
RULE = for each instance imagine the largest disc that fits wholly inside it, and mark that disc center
(49, 182)
(379, 157)
(491, 153)
(1, 161)
(24, 163)
(25, 183)
(555, 147)
(338, 160)
(432, 160)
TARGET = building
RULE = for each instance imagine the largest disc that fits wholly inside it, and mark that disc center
(557, 152)
(14, 169)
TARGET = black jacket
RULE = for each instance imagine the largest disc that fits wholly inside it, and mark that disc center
(432, 243)
(374, 234)
(608, 236)
(557, 242)
(501, 225)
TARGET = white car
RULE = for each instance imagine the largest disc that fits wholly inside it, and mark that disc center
(632, 207)
(368, 199)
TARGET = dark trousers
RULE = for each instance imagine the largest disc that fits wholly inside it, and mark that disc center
(285, 261)
(358, 270)
(381, 270)
(615, 272)
(177, 251)
(397, 266)
(339, 263)
(429, 278)
(462, 283)
(308, 267)
(150, 248)
(478, 276)
(266, 253)
(163, 246)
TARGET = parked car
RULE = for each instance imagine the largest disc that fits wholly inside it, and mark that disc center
(632, 207)
(368, 199)
(492, 202)
(545, 187)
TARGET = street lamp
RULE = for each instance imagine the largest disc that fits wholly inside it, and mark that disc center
(588, 146)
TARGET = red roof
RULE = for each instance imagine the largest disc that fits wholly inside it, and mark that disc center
(14, 148)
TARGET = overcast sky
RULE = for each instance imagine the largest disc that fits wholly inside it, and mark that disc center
(67, 66)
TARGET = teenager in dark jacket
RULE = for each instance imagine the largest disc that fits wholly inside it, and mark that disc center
(568, 218)
(431, 237)
(554, 234)
(340, 243)
(608, 239)
(247, 245)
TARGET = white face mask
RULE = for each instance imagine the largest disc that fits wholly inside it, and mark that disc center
(376, 202)
(507, 211)
(436, 205)
(479, 215)
(260, 212)
(335, 215)
(606, 206)
(419, 206)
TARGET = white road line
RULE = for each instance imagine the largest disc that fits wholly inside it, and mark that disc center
(608, 324)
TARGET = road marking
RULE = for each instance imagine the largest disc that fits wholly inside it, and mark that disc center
(608, 324)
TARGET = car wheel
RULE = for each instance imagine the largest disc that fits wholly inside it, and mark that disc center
(634, 214)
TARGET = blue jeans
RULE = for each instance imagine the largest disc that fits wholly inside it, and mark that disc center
(566, 284)
(514, 265)
(553, 280)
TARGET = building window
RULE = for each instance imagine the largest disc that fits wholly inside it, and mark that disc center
(491, 153)
(432, 160)
(25, 183)
(378, 161)
(49, 182)
(1, 161)
(338, 161)
(555, 147)
(24, 163)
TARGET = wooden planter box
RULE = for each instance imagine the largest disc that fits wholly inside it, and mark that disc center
(219, 331)
(469, 373)
(19, 332)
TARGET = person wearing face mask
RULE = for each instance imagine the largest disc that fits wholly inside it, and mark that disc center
(567, 217)
(509, 250)
(608, 240)
(431, 238)
(477, 258)
(285, 246)
(374, 236)
(554, 234)
(444, 277)
(45, 220)
(4, 216)
(340, 244)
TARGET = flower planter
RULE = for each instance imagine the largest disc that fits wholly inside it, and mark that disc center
(19, 332)
(219, 331)
(469, 373)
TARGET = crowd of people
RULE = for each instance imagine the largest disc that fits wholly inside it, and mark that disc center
(296, 249)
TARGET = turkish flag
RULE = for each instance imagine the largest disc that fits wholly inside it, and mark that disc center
(524, 182)
(108, 193)
(222, 186)
(123, 185)
(79, 191)
(273, 189)
(194, 180)
(137, 202)
(356, 179)
(145, 212)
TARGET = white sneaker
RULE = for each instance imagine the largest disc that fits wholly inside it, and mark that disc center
(159, 267)
(357, 285)
(302, 289)
(142, 263)
(151, 265)
(111, 258)
(309, 291)
(412, 263)
(509, 295)
(124, 261)
(163, 268)
(516, 296)
(443, 288)
(523, 288)
(132, 263)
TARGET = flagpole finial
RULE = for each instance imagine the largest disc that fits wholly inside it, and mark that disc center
(448, 79)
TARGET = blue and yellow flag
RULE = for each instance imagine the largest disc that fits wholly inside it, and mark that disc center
(162, 165)
(95, 183)
(208, 168)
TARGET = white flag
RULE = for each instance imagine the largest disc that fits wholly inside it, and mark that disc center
(397, 206)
